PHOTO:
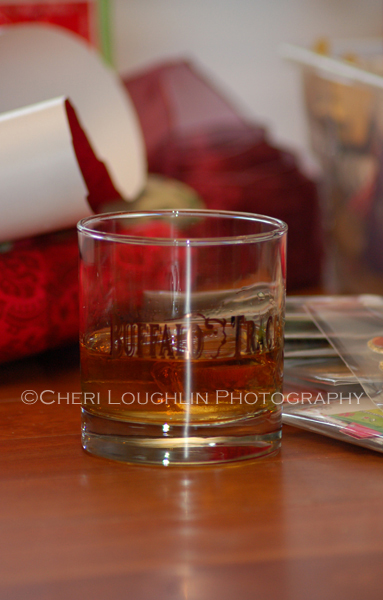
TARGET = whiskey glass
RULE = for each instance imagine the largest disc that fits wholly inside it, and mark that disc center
(181, 335)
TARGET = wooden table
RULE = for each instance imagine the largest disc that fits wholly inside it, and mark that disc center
(306, 524)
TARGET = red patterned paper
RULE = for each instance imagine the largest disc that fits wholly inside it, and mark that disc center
(74, 16)
(38, 294)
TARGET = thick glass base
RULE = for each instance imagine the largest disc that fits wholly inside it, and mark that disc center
(177, 445)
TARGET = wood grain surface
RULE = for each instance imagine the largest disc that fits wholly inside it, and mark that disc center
(305, 524)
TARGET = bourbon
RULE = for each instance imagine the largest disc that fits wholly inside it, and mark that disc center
(201, 371)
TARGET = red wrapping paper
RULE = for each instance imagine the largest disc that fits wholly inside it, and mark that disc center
(100, 186)
(38, 294)
(78, 17)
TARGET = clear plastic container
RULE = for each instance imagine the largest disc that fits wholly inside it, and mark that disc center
(343, 92)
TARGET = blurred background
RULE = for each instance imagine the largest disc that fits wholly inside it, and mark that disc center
(327, 120)
(237, 44)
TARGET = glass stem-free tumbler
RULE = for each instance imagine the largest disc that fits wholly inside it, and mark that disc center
(181, 335)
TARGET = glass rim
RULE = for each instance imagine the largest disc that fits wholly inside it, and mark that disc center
(84, 226)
